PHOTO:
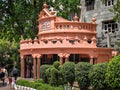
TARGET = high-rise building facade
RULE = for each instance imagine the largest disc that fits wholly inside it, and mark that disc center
(108, 31)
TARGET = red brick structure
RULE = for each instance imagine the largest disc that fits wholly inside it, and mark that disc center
(62, 40)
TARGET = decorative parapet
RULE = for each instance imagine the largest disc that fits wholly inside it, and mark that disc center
(75, 25)
(59, 42)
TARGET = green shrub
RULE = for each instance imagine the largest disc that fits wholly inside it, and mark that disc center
(54, 75)
(25, 83)
(97, 76)
(44, 87)
(81, 73)
(37, 85)
(68, 71)
(48, 87)
(113, 73)
(56, 64)
(39, 81)
(43, 75)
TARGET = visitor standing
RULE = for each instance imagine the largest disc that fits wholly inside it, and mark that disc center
(15, 73)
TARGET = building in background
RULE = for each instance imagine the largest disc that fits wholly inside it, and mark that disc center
(108, 31)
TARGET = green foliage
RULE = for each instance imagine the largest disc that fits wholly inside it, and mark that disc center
(56, 64)
(54, 74)
(37, 85)
(115, 10)
(43, 74)
(25, 83)
(113, 73)
(118, 45)
(48, 87)
(39, 81)
(8, 53)
(81, 73)
(68, 71)
(97, 76)
(12, 23)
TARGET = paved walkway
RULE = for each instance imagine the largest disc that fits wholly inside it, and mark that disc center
(3, 87)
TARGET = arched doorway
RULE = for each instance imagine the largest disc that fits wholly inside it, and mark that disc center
(28, 66)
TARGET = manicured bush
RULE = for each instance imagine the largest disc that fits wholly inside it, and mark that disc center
(25, 83)
(56, 64)
(43, 75)
(54, 75)
(37, 85)
(97, 76)
(39, 81)
(44, 87)
(81, 73)
(48, 87)
(113, 73)
(68, 71)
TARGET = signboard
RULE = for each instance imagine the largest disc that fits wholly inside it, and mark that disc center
(46, 25)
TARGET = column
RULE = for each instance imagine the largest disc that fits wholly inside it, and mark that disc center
(22, 67)
(91, 60)
(38, 66)
(60, 58)
(34, 68)
(95, 61)
(66, 58)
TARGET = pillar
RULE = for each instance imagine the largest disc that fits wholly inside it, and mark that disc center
(67, 57)
(95, 61)
(60, 58)
(22, 67)
(38, 66)
(91, 60)
(34, 68)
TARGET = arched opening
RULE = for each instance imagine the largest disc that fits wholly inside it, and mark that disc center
(28, 67)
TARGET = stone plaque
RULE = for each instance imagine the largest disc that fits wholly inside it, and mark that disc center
(46, 25)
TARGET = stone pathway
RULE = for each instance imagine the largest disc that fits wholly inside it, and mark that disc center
(3, 87)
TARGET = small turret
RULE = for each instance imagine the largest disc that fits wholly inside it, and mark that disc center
(93, 20)
(45, 6)
(75, 18)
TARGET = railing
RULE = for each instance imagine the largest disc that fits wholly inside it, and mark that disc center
(67, 26)
(75, 25)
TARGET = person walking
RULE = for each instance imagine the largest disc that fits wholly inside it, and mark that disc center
(15, 73)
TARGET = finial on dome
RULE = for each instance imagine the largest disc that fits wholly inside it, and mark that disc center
(75, 18)
(45, 5)
(93, 20)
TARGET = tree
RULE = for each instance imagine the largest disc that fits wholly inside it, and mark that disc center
(113, 73)
(115, 10)
(118, 45)
(8, 53)
(81, 75)
(97, 77)
(19, 18)
(68, 71)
